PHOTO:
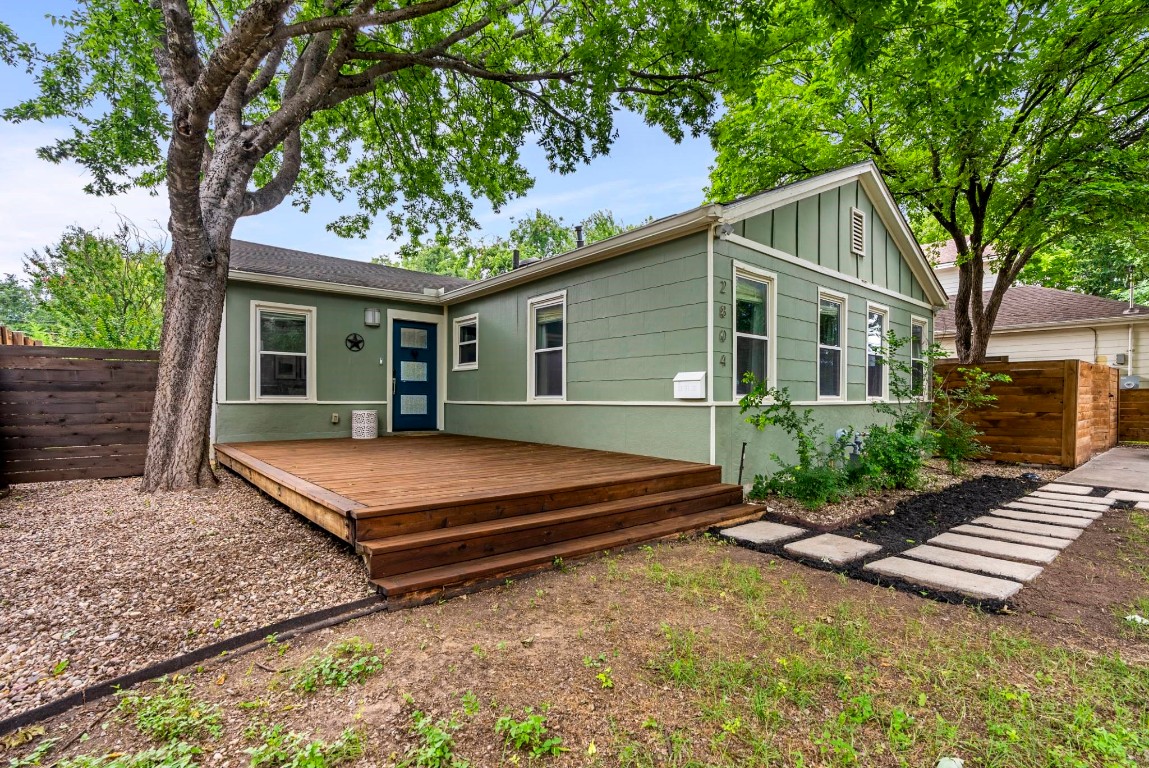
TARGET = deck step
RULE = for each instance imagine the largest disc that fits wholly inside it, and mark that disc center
(456, 574)
(425, 549)
(385, 522)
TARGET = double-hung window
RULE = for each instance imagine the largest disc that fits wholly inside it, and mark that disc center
(877, 320)
(831, 346)
(284, 344)
(752, 308)
(466, 343)
(547, 319)
(919, 332)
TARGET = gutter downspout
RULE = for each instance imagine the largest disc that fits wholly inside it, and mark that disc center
(1129, 351)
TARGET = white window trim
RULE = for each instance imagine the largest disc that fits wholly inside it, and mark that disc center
(537, 302)
(751, 272)
(455, 341)
(872, 307)
(310, 316)
(861, 216)
(925, 324)
(843, 345)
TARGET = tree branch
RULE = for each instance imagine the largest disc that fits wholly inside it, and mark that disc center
(275, 191)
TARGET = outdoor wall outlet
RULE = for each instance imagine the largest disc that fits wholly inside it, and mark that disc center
(335, 418)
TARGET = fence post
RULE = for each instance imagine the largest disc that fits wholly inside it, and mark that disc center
(1069, 415)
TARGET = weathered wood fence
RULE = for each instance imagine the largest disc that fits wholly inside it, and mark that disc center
(1060, 412)
(69, 413)
(1133, 415)
(9, 337)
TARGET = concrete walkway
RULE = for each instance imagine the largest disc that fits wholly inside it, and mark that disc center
(1121, 467)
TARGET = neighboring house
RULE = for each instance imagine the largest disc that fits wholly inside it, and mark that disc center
(944, 256)
(1036, 323)
(636, 343)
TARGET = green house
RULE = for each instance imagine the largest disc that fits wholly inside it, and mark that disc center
(637, 343)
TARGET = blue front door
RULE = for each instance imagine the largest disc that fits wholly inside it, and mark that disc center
(414, 376)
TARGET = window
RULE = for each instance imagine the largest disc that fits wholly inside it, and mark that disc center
(548, 345)
(919, 331)
(751, 330)
(876, 319)
(284, 344)
(467, 343)
(831, 353)
(857, 232)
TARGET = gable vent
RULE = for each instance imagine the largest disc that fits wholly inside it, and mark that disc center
(857, 232)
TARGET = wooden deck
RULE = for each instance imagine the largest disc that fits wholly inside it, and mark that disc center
(439, 512)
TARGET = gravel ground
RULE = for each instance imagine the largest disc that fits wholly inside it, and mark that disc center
(97, 580)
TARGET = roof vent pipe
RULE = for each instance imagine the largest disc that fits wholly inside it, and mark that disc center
(515, 259)
(579, 242)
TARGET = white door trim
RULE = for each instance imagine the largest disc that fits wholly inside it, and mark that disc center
(440, 355)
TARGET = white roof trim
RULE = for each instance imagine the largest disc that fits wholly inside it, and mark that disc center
(1059, 325)
(326, 287)
(871, 180)
(670, 228)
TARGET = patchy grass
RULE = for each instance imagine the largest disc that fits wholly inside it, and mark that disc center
(172, 713)
(350, 661)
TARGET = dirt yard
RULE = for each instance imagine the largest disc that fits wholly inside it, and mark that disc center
(684, 653)
(97, 580)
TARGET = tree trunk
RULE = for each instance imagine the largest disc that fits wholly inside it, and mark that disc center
(177, 456)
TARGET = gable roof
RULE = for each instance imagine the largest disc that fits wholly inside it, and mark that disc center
(1035, 307)
(259, 259)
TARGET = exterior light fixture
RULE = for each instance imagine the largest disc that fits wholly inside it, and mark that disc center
(371, 317)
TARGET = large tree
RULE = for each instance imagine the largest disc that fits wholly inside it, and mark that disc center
(412, 109)
(1012, 125)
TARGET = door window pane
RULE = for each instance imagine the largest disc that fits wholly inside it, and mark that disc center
(413, 338)
(751, 354)
(412, 371)
(282, 332)
(751, 304)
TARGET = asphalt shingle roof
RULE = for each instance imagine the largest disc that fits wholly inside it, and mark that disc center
(1033, 304)
(285, 262)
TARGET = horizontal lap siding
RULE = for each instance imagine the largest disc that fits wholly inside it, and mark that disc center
(70, 413)
(632, 323)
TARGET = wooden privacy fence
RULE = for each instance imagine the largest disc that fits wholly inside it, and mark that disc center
(1060, 412)
(9, 337)
(1133, 415)
(70, 414)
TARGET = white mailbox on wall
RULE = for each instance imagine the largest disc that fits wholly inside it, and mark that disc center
(690, 385)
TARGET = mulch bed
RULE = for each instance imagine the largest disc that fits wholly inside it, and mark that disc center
(912, 522)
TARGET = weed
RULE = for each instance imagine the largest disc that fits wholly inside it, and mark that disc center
(287, 749)
(176, 755)
(172, 713)
(349, 661)
(60, 667)
(605, 678)
(679, 664)
(471, 704)
(594, 661)
(436, 746)
(35, 756)
(477, 649)
(529, 735)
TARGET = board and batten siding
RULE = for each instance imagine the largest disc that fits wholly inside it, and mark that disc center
(345, 380)
(817, 229)
(632, 323)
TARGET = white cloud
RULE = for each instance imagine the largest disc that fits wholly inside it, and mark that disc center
(38, 199)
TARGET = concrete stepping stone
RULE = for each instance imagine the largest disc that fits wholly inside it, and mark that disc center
(993, 548)
(967, 561)
(946, 579)
(1081, 514)
(1014, 536)
(1034, 529)
(832, 549)
(1082, 490)
(1127, 496)
(1060, 504)
(1038, 517)
(763, 532)
(1096, 501)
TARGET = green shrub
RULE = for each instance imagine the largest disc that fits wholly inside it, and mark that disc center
(172, 713)
(955, 439)
(893, 457)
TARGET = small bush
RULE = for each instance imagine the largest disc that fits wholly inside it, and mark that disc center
(955, 439)
(287, 749)
(347, 662)
(172, 713)
(529, 735)
(895, 458)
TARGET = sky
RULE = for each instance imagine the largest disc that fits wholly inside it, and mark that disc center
(646, 174)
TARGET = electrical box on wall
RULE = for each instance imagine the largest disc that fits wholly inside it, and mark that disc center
(1122, 358)
(690, 385)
